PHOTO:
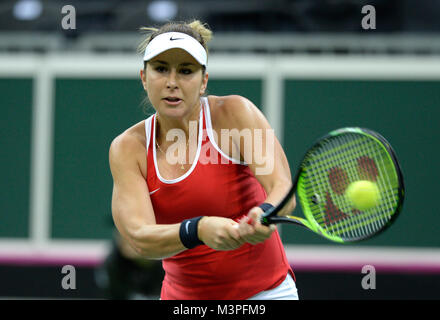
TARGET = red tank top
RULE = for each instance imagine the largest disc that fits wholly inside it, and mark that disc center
(215, 185)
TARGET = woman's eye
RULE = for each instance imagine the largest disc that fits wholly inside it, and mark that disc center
(186, 71)
(160, 69)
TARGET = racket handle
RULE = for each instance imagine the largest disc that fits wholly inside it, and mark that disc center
(265, 220)
(266, 217)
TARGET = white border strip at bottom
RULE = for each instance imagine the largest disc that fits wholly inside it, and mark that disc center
(301, 258)
(75, 252)
(384, 259)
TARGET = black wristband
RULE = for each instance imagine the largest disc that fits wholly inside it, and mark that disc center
(266, 206)
(188, 233)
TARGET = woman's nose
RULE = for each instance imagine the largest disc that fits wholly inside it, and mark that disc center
(172, 81)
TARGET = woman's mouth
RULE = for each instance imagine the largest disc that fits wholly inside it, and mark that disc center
(173, 101)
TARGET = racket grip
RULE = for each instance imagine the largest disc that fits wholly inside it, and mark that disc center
(267, 212)
(265, 220)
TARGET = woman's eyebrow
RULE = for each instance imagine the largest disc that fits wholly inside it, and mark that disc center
(184, 64)
(159, 61)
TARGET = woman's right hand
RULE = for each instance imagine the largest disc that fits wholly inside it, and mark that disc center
(219, 233)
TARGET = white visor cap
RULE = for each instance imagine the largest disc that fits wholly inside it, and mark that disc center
(172, 40)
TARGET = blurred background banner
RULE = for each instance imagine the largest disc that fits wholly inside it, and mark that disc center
(70, 83)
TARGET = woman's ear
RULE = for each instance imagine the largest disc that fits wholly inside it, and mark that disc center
(144, 78)
(204, 84)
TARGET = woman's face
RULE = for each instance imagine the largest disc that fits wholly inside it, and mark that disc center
(174, 82)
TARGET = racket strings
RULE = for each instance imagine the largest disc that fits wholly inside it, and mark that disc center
(370, 223)
(336, 163)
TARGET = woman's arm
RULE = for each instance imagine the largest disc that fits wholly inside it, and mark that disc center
(131, 205)
(134, 216)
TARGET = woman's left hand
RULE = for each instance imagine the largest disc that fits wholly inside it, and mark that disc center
(251, 230)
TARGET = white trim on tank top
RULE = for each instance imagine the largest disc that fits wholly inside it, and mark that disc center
(196, 159)
(211, 136)
(149, 122)
(148, 131)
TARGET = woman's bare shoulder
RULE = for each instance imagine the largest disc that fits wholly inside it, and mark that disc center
(129, 144)
(231, 111)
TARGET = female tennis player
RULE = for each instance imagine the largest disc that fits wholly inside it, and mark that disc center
(199, 214)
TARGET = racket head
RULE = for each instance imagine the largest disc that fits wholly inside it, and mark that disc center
(341, 157)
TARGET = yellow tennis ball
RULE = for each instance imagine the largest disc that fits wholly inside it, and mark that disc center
(363, 194)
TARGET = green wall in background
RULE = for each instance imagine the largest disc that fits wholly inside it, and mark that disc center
(89, 113)
(406, 113)
(15, 160)
(249, 88)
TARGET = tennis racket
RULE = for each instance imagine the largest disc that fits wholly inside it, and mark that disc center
(339, 158)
